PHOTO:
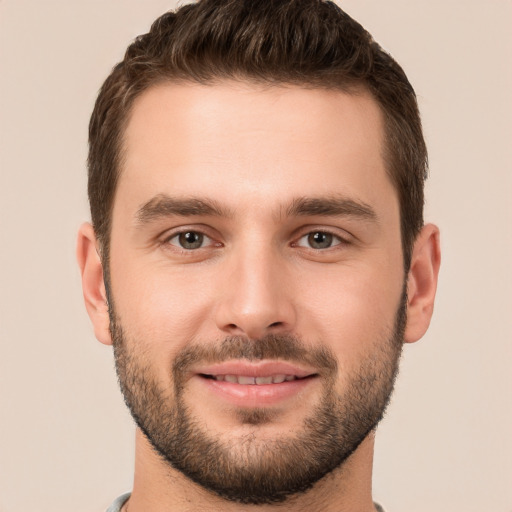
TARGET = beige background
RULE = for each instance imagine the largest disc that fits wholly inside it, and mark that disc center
(66, 441)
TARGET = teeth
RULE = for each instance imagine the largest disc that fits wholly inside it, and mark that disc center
(264, 380)
(243, 379)
(246, 380)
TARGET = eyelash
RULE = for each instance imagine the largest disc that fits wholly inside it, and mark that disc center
(182, 233)
(333, 239)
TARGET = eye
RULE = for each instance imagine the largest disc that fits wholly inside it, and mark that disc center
(319, 240)
(189, 240)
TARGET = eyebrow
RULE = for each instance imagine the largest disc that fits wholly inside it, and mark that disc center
(162, 206)
(331, 206)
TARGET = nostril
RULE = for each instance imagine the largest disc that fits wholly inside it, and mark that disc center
(253, 330)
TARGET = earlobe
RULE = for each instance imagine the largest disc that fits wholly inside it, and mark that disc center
(93, 285)
(422, 282)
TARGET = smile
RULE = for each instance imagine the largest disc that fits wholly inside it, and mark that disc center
(255, 384)
(254, 381)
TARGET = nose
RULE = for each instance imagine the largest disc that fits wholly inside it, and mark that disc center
(255, 296)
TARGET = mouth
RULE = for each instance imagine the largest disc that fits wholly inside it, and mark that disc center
(247, 384)
(247, 380)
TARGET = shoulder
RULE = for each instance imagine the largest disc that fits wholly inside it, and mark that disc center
(118, 503)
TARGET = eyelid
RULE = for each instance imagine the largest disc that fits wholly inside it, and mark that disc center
(168, 235)
(336, 241)
(343, 236)
(206, 240)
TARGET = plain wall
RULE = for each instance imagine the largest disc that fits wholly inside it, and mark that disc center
(66, 440)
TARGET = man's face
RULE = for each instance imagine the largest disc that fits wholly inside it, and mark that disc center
(256, 281)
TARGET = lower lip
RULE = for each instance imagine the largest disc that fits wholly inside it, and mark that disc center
(257, 395)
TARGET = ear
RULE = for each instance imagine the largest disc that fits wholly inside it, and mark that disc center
(422, 282)
(93, 286)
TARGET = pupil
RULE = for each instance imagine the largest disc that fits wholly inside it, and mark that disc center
(320, 240)
(191, 240)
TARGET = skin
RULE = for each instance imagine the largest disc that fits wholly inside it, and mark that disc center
(253, 151)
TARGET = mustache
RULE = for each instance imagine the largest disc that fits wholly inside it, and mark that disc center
(284, 347)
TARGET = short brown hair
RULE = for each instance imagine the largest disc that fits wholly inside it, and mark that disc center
(310, 43)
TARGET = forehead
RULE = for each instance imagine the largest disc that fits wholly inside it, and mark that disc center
(237, 140)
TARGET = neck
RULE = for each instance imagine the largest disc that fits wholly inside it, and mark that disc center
(160, 488)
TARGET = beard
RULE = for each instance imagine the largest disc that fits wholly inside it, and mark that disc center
(252, 469)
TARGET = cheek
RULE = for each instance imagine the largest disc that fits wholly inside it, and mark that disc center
(350, 310)
(357, 326)
(159, 311)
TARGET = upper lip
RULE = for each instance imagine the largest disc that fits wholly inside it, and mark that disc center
(259, 369)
